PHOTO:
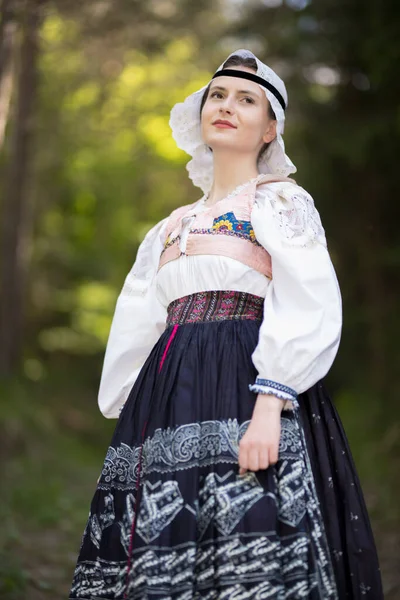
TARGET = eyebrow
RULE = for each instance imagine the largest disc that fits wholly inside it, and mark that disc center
(222, 89)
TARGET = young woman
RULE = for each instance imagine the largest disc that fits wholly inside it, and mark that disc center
(229, 475)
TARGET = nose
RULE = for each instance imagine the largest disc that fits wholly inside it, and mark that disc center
(226, 105)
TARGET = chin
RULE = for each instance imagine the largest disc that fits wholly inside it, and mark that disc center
(222, 144)
(229, 145)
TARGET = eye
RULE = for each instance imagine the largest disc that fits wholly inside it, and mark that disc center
(248, 100)
(215, 94)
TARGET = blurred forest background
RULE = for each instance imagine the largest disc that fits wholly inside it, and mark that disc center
(88, 165)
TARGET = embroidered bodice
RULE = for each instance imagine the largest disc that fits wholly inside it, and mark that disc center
(223, 229)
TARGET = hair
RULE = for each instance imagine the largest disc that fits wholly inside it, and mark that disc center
(250, 63)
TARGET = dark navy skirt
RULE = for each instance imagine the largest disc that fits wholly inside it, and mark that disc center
(172, 518)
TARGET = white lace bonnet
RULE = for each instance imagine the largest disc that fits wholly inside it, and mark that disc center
(185, 125)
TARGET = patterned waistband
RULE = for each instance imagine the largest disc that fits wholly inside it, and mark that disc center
(215, 306)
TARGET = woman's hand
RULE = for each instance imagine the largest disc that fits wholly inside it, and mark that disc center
(259, 446)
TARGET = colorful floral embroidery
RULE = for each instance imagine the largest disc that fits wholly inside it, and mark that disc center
(228, 224)
(223, 224)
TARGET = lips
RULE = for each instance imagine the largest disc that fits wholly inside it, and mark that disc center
(222, 124)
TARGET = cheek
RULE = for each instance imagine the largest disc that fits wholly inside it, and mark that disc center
(252, 129)
(207, 111)
(203, 128)
(256, 126)
(206, 116)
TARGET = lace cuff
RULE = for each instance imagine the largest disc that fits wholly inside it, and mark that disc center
(267, 386)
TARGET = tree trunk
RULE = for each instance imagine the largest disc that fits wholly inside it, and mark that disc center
(8, 36)
(16, 219)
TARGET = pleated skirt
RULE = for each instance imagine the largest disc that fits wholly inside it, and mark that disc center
(172, 519)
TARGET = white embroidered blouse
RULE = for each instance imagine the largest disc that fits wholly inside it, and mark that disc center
(300, 333)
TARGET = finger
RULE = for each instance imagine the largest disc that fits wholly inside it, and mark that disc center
(274, 453)
(253, 459)
(264, 458)
(243, 462)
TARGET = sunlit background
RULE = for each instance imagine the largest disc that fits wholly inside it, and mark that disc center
(88, 165)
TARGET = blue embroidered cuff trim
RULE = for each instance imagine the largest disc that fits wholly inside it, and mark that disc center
(263, 389)
(272, 387)
(277, 386)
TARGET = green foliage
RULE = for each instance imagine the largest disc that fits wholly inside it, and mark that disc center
(54, 442)
(12, 578)
(105, 169)
(108, 171)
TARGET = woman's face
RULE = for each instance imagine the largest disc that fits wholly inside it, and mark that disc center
(235, 115)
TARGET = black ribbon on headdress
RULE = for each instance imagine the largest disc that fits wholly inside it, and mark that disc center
(252, 77)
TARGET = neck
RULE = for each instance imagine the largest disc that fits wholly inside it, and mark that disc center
(230, 171)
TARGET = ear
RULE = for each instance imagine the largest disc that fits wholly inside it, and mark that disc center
(270, 134)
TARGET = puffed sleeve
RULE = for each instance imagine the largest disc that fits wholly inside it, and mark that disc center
(300, 333)
(138, 321)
